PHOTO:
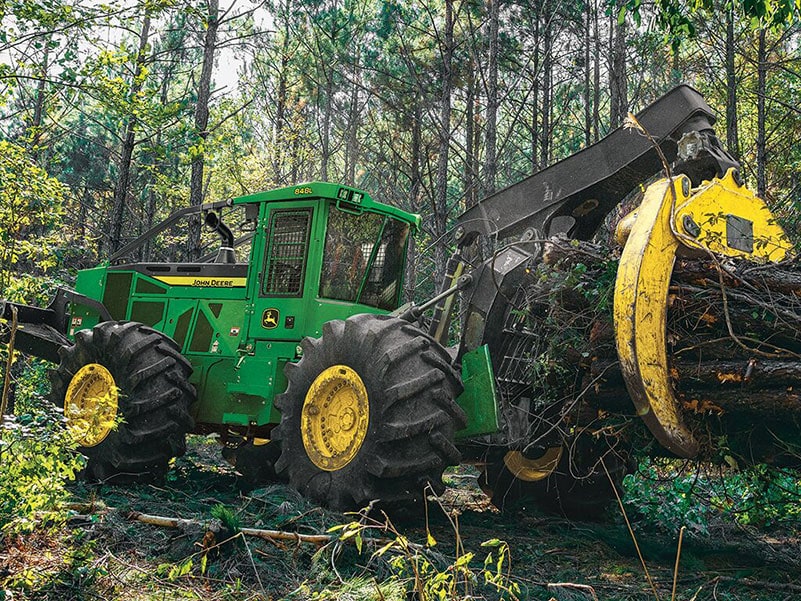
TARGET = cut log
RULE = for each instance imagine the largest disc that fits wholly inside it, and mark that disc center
(733, 345)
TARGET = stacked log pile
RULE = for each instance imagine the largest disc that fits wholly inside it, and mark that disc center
(734, 347)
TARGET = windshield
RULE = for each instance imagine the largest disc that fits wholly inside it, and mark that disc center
(364, 258)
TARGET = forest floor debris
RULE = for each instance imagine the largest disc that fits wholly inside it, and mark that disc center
(104, 554)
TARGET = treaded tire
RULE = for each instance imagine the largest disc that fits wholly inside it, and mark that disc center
(413, 416)
(577, 489)
(152, 378)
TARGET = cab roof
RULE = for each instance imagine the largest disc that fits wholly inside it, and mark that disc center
(345, 195)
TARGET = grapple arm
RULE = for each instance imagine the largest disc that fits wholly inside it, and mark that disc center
(721, 216)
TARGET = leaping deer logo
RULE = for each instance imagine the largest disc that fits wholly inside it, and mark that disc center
(269, 319)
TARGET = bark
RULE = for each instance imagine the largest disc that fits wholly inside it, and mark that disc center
(39, 106)
(352, 148)
(618, 85)
(128, 144)
(441, 199)
(587, 88)
(762, 72)
(547, 91)
(470, 195)
(415, 191)
(491, 131)
(732, 130)
(734, 351)
(325, 130)
(160, 167)
(196, 187)
(280, 108)
(596, 75)
(535, 96)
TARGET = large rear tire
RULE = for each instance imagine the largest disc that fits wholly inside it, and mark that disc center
(369, 415)
(132, 376)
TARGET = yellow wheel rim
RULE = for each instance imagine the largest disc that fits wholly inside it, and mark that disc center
(90, 406)
(335, 417)
(532, 470)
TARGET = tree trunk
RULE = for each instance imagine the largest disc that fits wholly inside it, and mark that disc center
(39, 106)
(440, 225)
(762, 76)
(128, 144)
(352, 148)
(279, 152)
(325, 133)
(470, 159)
(547, 91)
(196, 188)
(587, 89)
(490, 163)
(535, 97)
(280, 109)
(415, 190)
(732, 133)
(596, 75)
(618, 87)
(732, 349)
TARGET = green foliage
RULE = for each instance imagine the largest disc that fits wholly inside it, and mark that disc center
(424, 573)
(664, 496)
(227, 517)
(675, 16)
(38, 457)
(31, 207)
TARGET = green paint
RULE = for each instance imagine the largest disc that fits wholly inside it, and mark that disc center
(479, 399)
(319, 252)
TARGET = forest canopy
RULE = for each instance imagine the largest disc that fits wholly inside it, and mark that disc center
(125, 111)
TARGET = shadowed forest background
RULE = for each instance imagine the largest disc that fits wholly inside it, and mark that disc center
(114, 115)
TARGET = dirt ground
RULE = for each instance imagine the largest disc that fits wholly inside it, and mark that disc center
(105, 553)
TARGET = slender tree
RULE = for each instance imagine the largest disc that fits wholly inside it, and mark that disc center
(212, 23)
(124, 166)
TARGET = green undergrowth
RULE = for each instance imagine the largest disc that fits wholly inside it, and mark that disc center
(666, 494)
(37, 459)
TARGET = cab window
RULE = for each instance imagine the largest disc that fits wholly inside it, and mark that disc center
(287, 252)
(363, 258)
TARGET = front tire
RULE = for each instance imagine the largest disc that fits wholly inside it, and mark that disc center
(369, 414)
(131, 375)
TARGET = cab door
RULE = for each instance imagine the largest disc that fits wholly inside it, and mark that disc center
(283, 260)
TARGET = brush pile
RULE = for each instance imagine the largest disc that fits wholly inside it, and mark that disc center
(734, 348)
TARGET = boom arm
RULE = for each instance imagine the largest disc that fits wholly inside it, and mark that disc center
(575, 195)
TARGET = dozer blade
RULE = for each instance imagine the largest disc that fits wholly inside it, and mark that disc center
(721, 217)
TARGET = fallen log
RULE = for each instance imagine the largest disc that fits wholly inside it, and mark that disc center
(272, 535)
(733, 346)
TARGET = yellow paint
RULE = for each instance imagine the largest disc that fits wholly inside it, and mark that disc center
(335, 417)
(659, 231)
(641, 291)
(201, 282)
(532, 470)
(711, 203)
(90, 405)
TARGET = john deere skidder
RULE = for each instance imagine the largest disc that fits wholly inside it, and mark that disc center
(300, 339)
